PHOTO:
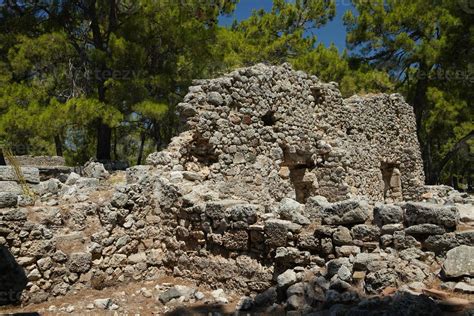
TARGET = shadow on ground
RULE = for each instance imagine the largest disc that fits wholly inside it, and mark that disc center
(12, 278)
(400, 304)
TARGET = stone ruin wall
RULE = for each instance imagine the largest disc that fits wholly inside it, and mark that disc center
(159, 223)
(212, 207)
(264, 133)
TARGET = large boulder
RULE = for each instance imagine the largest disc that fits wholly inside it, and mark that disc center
(387, 214)
(292, 210)
(349, 212)
(427, 213)
(459, 262)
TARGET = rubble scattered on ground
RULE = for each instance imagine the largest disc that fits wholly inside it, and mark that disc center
(266, 203)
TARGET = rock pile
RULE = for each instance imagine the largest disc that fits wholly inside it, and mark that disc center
(279, 190)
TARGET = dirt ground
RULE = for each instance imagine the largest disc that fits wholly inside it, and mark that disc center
(130, 301)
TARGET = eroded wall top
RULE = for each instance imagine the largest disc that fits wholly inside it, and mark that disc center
(267, 132)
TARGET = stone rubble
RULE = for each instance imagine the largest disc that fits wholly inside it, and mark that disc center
(279, 190)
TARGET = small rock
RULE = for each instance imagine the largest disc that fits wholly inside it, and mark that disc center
(146, 293)
(425, 229)
(215, 98)
(417, 286)
(219, 296)
(342, 236)
(95, 170)
(293, 211)
(8, 199)
(334, 265)
(245, 303)
(80, 262)
(72, 178)
(175, 292)
(344, 273)
(266, 298)
(287, 278)
(102, 303)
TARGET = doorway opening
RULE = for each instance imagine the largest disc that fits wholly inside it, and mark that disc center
(302, 178)
(391, 176)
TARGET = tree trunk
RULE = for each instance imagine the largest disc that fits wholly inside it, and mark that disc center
(419, 106)
(59, 145)
(104, 132)
(462, 142)
(142, 147)
(157, 135)
(104, 139)
(2, 158)
(115, 144)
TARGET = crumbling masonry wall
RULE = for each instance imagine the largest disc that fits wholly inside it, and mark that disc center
(264, 133)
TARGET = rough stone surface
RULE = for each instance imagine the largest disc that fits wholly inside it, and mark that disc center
(388, 214)
(30, 175)
(459, 262)
(345, 213)
(10, 187)
(268, 193)
(287, 278)
(8, 199)
(175, 292)
(426, 213)
(310, 146)
(80, 262)
(95, 170)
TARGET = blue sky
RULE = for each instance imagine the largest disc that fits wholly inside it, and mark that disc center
(333, 32)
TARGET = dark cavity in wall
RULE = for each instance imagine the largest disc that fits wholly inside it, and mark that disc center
(269, 118)
(203, 151)
(300, 165)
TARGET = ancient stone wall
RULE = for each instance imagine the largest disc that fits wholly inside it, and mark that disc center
(265, 133)
(82, 235)
(276, 176)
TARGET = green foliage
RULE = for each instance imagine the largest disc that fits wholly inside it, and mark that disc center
(68, 69)
(427, 48)
(276, 36)
(78, 66)
(329, 65)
